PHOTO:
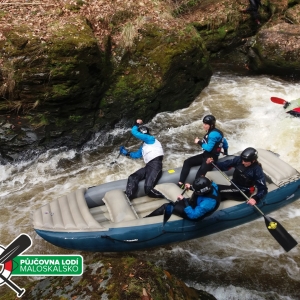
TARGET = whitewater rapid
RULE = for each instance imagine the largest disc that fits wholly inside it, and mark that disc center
(241, 263)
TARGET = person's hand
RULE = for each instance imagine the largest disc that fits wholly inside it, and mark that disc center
(187, 186)
(251, 201)
(225, 152)
(197, 140)
(180, 197)
(209, 160)
(123, 151)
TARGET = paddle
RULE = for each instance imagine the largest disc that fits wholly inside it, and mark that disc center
(297, 109)
(274, 227)
(113, 162)
(18, 246)
(278, 100)
(169, 208)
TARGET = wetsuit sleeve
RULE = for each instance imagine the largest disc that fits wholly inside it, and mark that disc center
(136, 154)
(229, 163)
(213, 138)
(260, 184)
(147, 138)
(225, 145)
(204, 205)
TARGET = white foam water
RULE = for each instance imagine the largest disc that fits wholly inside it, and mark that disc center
(241, 263)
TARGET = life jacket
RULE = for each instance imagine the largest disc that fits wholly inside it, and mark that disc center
(240, 177)
(218, 146)
(193, 201)
(151, 151)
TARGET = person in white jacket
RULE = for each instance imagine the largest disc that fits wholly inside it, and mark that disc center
(152, 153)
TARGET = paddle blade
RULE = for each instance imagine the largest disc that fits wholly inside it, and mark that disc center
(18, 246)
(168, 212)
(280, 234)
(297, 109)
(278, 100)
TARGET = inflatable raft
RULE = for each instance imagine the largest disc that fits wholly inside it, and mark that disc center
(102, 219)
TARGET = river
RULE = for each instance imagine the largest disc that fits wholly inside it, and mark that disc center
(241, 263)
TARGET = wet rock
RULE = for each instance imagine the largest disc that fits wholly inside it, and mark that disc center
(276, 50)
(114, 278)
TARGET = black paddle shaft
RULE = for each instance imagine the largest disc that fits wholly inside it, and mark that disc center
(278, 232)
(18, 290)
(19, 245)
(120, 152)
(15, 248)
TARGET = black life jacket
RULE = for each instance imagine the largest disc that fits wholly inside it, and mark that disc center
(218, 146)
(193, 202)
(240, 177)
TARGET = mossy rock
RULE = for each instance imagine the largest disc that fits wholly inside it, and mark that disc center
(114, 278)
(164, 71)
(276, 50)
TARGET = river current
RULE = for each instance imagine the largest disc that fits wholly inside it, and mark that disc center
(241, 263)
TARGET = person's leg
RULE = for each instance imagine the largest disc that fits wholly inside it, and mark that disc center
(230, 192)
(253, 10)
(159, 211)
(133, 182)
(204, 168)
(188, 164)
(152, 175)
(178, 210)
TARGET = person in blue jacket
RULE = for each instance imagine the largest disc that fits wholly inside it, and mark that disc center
(212, 144)
(152, 152)
(248, 175)
(204, 201)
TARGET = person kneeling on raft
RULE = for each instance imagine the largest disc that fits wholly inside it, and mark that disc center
(203, 202)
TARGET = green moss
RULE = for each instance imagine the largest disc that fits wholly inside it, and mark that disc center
(61, 90)
(75, 118)
(222, 32)
(37, 120)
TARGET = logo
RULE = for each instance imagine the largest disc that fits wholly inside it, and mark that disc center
(15, 264)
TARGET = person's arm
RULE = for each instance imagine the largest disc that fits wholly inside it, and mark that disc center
(147, 138)
(136, 154)
(205, 206)
(261, 186)
(225, 146)
(227, 164)
(213, 138)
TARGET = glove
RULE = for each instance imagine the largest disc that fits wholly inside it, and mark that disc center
(200, 143)
(123, 151)
(225, 151)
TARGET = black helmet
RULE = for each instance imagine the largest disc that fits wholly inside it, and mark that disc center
(210, 120)
(202, 185)
(249, 154)
(144, 129)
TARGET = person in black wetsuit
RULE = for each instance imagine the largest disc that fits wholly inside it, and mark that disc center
(212, 144)
(204, 201)
(252, 9)
(247, 175)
